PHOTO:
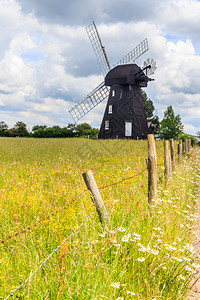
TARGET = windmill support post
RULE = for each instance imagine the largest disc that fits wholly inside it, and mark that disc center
(166, 160)
(96, 198)
(152, 169)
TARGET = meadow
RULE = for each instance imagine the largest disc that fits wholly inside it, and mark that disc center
(146, 254)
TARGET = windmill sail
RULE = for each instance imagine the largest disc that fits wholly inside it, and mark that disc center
(80, 109)
(135, 53)
(98, 48)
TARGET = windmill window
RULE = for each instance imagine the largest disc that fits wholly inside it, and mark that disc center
(110, 109)
(130, 87)
(128, 128)
(106, 125)
(113, 93)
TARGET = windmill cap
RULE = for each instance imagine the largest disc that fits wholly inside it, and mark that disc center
(126, 74)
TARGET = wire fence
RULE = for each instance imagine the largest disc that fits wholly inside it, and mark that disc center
(66, 206)
(43, 219)
(71, 234)
(42, 264)
(125, 179)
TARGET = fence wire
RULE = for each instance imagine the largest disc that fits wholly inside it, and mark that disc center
(134, 188)
(45, 218)
(40, 266)
(60, 210)
(125, 179)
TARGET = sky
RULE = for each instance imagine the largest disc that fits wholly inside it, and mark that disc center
(47, 63)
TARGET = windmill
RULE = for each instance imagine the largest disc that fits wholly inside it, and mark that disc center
(124, 115)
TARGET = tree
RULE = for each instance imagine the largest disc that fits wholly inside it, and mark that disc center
(198, 134)
(21, 129)
(86, 130)
(3, 128)
(70, 131)
(149, 113)
(170, 126)
(39, 131)
(148, 105)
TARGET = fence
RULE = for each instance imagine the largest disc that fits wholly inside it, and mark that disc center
(92, 188)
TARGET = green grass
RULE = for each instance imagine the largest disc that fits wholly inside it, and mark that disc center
(147, 251)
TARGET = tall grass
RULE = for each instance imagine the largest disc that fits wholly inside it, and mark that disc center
(147, 254)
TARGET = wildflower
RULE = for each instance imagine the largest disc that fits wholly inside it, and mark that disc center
(120, 298)
(155, 252)
(157, 228)
(159, 241)
(135, 239)
(178, 259)
(116, 285)
(141, 259)
(181, 277)
(187, 259)
(94, 242)
(102, 234)
(112, 231)
(136, 235)
(169, 247)
(130, 293)
(145, 249)
(121, 229)
(188, 269)
(125, 239)
(190, 248)
(113, 241)
(196, 266)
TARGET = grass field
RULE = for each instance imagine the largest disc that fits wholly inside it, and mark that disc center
(147, 254)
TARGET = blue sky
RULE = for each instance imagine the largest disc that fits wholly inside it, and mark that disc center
(47, 63)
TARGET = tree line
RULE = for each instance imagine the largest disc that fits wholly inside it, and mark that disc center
(42, 131)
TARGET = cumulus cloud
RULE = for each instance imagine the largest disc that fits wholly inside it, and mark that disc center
(47, 63)
(181, 17)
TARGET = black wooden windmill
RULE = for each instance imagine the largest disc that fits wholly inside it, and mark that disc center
(124, 115)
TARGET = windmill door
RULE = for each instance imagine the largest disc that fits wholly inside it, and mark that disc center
(128, 129)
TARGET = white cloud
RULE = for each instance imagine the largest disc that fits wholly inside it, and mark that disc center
(181, 17)
(46, 66)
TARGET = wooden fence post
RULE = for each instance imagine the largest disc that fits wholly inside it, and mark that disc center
(179, 151)
(170, 163)
(186, 146)
(189, 145)
(152, 169)
(166, 160)
(183, 147)
(96, 198)
(172, 154)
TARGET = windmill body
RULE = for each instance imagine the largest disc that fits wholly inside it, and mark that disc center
(124, 115)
